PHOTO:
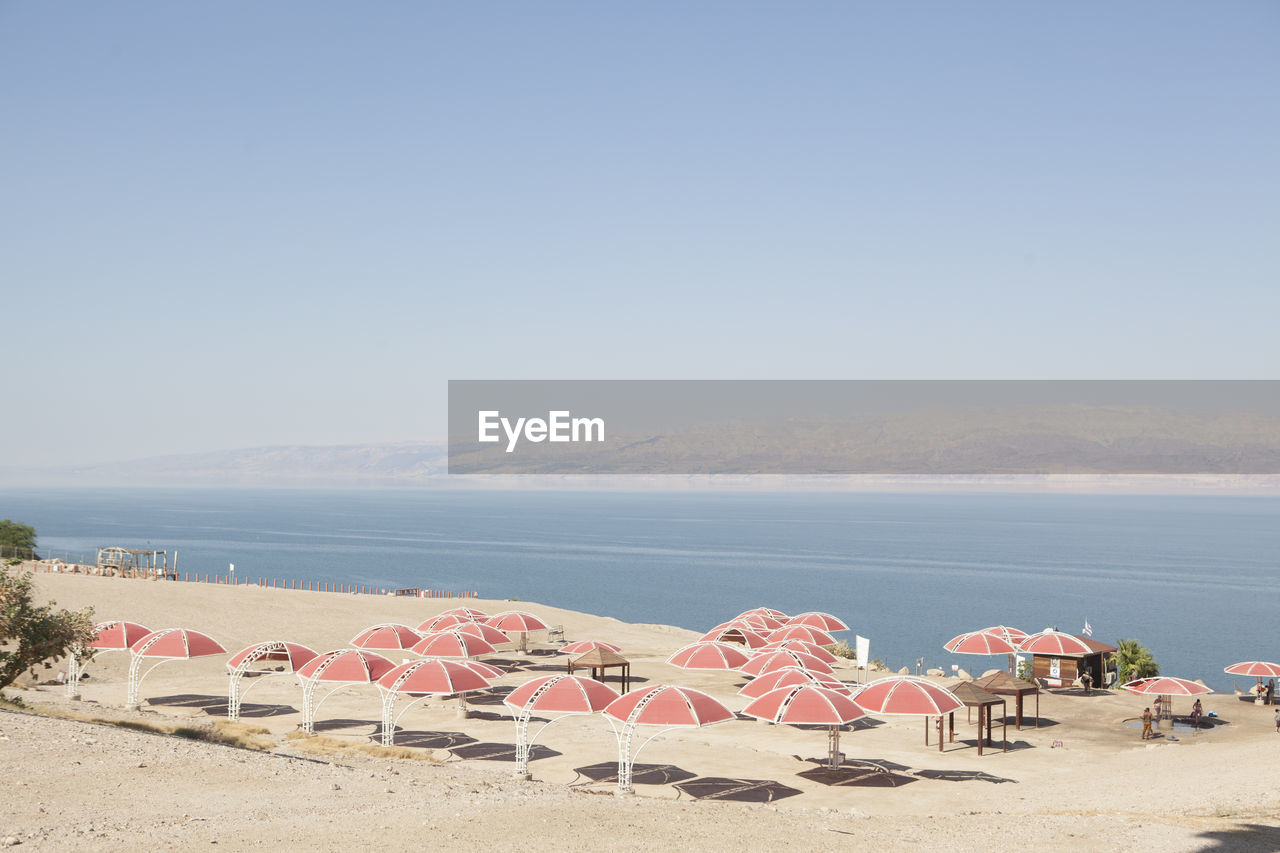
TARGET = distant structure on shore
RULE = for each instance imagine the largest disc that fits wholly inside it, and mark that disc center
(136, 562)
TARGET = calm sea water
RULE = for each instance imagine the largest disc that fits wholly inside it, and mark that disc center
(1194, 578)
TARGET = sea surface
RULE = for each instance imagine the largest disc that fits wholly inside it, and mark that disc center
(1193, 578)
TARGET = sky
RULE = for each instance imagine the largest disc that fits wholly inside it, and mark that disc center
(245, 224)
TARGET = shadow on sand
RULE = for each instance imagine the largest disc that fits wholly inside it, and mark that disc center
(1245, 838)
(736, 790)
(641, 774)
(216, 706)
(500, 752)
(427, 740)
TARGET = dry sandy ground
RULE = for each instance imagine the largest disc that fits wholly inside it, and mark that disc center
(78, 786)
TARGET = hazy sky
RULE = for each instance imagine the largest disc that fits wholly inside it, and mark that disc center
(237, 224)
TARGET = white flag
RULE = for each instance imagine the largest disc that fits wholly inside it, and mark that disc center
(1088, 629)
(862, 648)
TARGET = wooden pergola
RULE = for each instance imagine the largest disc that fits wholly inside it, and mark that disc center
(975, 697)
(1004, 684)
(599, 660)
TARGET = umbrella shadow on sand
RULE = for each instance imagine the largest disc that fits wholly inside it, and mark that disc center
(858, 774)
(994, 745)
(500, 752)
(1242, 837)
(338, 725)
(208, 704)
(961, 776)
(509, 664)
(492, 696)
(427, 740)
(1028, 722)
(641, 774)
(216, 706)
(736, 790)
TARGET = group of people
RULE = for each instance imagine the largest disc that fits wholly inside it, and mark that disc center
(1197, 712)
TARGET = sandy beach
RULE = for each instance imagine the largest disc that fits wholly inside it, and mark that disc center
(82, 786)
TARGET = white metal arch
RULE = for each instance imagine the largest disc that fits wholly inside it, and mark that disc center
(522, 717)
(310, 687)
(627, 759)
(235, 696)
(391, 695)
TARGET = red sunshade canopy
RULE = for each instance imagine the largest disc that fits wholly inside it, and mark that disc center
(583, 646)
(710, 656)
(488, 670)
(788, 677)
(1013, 636)
(467, 613)
(758, 622)
(440, 677)
(1166, 685)
(293, 654)
(488, 633)
(451, 644)
(817, 636)
(444, 622)
(354, 666)
(517, 621)
(801, 646)
(805, 705)
(819, 620)
(666, 705)
(731, 634)
(115, 636)
(388, 636)
(765, 611)
(770, 661)
(1055, 643)
(178, 644)
(904, 695)
(980, 643)
(1258, 668)
(561, 694)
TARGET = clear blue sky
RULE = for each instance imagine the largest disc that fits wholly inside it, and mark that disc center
(239, 224)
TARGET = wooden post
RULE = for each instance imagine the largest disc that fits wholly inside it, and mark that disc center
(981, 708)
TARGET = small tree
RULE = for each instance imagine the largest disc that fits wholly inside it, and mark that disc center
(843, 650)
(32, 634)
(1026, 670)
(1134, 660)
(17, 541)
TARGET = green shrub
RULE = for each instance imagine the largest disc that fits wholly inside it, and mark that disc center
(32, 635)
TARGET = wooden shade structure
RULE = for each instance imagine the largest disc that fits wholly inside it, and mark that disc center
(975, 697)
(1004, 684)
(599, 660)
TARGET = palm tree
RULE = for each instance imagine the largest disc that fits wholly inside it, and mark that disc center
(1134, 660)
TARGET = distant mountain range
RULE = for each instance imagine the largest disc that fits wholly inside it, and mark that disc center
(948, 446)
(403, 463)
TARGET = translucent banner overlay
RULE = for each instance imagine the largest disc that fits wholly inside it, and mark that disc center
(652, 427)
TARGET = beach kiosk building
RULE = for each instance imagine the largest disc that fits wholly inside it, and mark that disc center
(1062, 668)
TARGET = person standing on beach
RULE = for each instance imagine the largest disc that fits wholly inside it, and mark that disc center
(1146, 723)
(1278, 722)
